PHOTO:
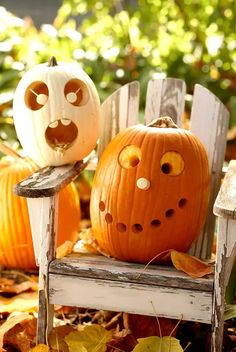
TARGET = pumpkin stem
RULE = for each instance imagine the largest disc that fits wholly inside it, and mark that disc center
(163, 122)
(9, 151)
(52, 62)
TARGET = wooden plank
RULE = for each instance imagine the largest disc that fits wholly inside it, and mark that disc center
(165, 97)
(100, 267)
(48, 234)
(119, 111)
(35, 209)
(130, 297)
(48, 181)
(225, 204)
(225, 256)
(209, 121)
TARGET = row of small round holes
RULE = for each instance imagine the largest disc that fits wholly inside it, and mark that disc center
(121, 227)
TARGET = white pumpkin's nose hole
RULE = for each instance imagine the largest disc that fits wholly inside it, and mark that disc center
(143, 183)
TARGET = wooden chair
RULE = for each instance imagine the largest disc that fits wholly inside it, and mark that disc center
(95, 281)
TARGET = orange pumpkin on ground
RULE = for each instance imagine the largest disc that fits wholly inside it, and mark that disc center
(150, 192)
(16, 246)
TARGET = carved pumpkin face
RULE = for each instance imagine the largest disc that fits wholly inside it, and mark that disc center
(150, 193)
(56, 112)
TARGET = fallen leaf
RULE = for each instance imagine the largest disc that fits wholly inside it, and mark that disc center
(92, 338)
(4, 281)
(9, 323)
(64, 249)
(15, 332)
(158, 344)
(144, 326)
(122, 339)
(24, 302)
(19, 288)
(192, 266)
(56, 338)
(87, 241)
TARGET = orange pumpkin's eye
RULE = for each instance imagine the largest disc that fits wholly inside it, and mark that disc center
(172, 164)
(76, 92)
(129, 156)
(36, 95)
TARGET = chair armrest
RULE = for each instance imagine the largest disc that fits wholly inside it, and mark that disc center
(48, 181)
(225, 204)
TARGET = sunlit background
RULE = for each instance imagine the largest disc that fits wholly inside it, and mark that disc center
(118, 41)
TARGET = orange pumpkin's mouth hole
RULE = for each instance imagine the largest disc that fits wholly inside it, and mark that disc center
(138, 228)
(61, 134)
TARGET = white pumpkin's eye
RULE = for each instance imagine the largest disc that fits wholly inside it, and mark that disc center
(36, 95)
(129, 156)
(42, 99)
(172, 163)
(76, 92)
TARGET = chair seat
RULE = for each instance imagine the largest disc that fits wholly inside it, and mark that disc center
(95, 281)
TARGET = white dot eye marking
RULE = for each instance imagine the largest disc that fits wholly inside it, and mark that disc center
(71, 97)
(76, 92)
(41, 99)
(143, 183)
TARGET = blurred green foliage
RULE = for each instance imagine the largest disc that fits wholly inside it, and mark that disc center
(123, 40)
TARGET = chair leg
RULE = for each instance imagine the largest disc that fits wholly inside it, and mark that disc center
(45, 317)
(46, 253)
(226, 251)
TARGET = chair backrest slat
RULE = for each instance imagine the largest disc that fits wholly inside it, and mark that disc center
(209, 121)
(119, 111)
(165, 97)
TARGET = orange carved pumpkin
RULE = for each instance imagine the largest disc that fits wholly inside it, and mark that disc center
(16, 247)
(150, 192)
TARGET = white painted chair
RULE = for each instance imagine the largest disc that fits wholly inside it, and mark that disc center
(95, 281)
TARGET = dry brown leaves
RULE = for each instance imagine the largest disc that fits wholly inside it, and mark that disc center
(19, 332)
(18, 302)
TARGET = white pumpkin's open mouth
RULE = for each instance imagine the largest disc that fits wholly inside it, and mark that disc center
(61, 134)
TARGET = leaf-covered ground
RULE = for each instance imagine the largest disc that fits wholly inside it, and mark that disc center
(86, 330)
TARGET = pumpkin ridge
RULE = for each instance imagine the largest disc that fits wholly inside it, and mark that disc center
(13, 223)
(20, 234)
(3, 185)
(10, 215)
(197, 218)
(203, 189)
(116, 245)
(147, 216)
(137, 135)
(186, 227)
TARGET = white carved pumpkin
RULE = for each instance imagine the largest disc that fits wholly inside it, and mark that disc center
(56, 112)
